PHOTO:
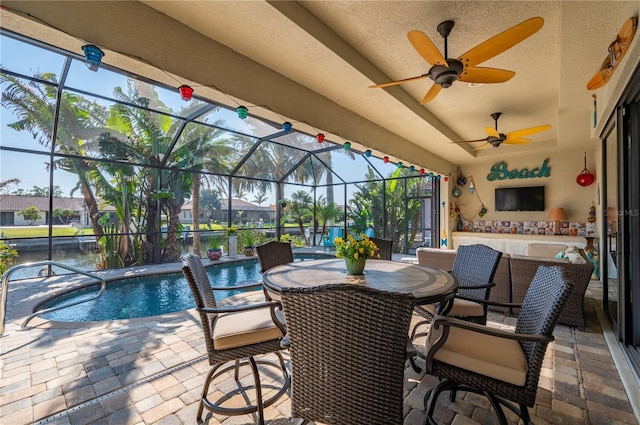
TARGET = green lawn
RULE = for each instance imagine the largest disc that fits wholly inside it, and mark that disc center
(40, 231)
(43, 231)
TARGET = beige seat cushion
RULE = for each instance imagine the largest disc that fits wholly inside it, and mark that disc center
(498, 358)
(460, 307)
(544, 249)
(244, 328)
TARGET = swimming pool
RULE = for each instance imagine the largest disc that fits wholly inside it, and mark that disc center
(132, 298)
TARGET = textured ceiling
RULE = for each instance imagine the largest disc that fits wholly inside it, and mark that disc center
(323, 55)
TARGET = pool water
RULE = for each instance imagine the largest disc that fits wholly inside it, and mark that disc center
(146, 296)
(151, 295)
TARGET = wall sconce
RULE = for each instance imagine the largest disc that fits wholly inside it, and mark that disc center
(556, 215)
(93, 55)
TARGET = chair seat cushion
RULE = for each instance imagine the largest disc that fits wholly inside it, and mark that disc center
(495, 357)
(461, 308)
(241, 328)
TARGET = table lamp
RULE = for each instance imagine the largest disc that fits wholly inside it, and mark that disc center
(556, 215)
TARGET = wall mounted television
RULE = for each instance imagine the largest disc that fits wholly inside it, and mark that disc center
(520, 198)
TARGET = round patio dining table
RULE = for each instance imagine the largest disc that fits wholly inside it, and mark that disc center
(426, 284)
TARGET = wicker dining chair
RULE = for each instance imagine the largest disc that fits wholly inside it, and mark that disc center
(273, 254)
(502, 365)
(347, 346)
(385, 248)
(233, 336)
(475, 267)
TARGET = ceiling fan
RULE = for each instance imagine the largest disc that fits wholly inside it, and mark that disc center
(495, 138)
(444, 70)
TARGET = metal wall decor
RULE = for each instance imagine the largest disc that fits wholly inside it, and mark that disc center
(499, 171)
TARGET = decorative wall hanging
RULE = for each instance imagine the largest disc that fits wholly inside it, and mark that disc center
(443, 238)
(499, 171)
(471, 204)
(616, 52)
(461, 180)
(585, 178)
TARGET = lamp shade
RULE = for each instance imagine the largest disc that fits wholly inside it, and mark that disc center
(557, 214)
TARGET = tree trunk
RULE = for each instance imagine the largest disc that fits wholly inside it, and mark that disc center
(195, 211)
(151, 226)
(171, 253)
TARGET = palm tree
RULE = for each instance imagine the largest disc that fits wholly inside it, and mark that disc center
(34, 106)
(5, 185)
(325, 211)
(260, 198)
(301, 208)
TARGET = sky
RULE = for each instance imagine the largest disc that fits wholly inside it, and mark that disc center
(32, 169)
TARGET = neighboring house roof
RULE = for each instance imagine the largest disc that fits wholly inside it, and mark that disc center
(236, 205)
(19, 203)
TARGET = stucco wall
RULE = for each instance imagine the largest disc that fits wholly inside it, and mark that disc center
(561, 189)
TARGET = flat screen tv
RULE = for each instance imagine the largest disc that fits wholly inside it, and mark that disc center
(520, 198)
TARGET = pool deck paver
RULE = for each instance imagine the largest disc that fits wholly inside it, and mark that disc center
(150, 371)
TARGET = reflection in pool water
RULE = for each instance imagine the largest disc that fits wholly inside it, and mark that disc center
(147, 296)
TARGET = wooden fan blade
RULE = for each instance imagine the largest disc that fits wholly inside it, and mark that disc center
(485, 75)
(393, 83)
(425, 47)
(492, 132)
(501, 42)
(486, 145)
(516, 141)
(431, 94)
(527, 131)
(472, 141)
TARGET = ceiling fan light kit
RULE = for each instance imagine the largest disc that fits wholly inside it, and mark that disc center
(445, 71)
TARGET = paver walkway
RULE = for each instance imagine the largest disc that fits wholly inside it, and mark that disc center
(150, 371)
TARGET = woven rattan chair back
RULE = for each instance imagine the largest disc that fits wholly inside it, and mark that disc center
(475, 265)
(385, 248)
(541, 308)
(234, 356)
(273, 254)
(200, 286)
(348, 354)
(545, 299)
